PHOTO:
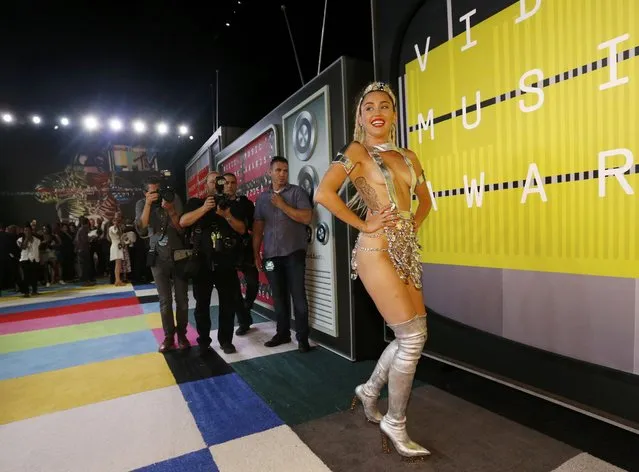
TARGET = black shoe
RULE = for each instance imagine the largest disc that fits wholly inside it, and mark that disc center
(183, 342)
(167, 345)
(205, 350)
(277, 340)
(228, 348)
(242, 330)
(303, 346)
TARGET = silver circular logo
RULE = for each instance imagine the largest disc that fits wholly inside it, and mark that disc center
(322, 233)
(308, 179)
(304, 135)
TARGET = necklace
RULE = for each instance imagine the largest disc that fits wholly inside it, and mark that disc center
(385, 147)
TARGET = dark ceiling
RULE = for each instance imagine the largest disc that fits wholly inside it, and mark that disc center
(160, 57)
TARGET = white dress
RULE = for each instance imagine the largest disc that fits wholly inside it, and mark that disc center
(116, 248)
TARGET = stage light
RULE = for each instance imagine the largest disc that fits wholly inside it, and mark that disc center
(162, 128)
(115, 124)
(139, 126)
(91, 123)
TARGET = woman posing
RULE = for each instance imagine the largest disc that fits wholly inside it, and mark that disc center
(386, 254)
(117, 247)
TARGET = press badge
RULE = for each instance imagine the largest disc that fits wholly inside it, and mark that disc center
(216, 241)
(269, 266)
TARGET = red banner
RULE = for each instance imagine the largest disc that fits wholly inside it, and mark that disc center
(196, 177)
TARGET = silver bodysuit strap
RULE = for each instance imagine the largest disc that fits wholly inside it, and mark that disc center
(388, 177)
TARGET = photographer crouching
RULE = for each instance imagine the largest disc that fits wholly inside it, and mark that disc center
(158, 215)
(217, 225)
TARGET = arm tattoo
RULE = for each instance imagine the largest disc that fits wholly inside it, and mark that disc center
(368, 193)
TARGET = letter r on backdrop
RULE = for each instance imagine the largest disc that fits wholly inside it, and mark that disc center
(617, 172)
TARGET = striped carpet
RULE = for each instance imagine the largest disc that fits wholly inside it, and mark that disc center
(82, 388)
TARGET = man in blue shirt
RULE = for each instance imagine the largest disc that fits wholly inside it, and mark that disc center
(281, 216)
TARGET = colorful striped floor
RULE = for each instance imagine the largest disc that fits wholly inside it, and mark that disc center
(82, 388)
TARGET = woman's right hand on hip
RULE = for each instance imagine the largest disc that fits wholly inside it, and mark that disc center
(384, 218)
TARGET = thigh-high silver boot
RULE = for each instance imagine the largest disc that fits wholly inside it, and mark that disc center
(410, 337)
(368, 393)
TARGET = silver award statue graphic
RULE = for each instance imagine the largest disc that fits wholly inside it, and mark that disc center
(308, 180)
(304, 135)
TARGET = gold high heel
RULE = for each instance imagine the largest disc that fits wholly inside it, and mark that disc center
(385, 448)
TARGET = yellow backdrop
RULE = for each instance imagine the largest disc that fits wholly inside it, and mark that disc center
(575, 230)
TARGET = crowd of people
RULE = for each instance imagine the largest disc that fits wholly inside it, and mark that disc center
(33, 255)
(208, 240)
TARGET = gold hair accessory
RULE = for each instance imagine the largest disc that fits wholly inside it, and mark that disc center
(378, 87)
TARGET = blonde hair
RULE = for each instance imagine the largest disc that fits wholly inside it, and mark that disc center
(356, 203)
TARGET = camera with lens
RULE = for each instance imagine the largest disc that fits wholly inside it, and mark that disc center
(166, 191)
(221, 199)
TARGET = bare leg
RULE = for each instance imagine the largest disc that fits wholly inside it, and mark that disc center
(369, 392)
(390, 294)
(402, 307)
(392, 299)
(118, 270)
(417, 300)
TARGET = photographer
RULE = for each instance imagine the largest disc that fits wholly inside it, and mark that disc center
(158, 215)
(216, 231)
(246, 209)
